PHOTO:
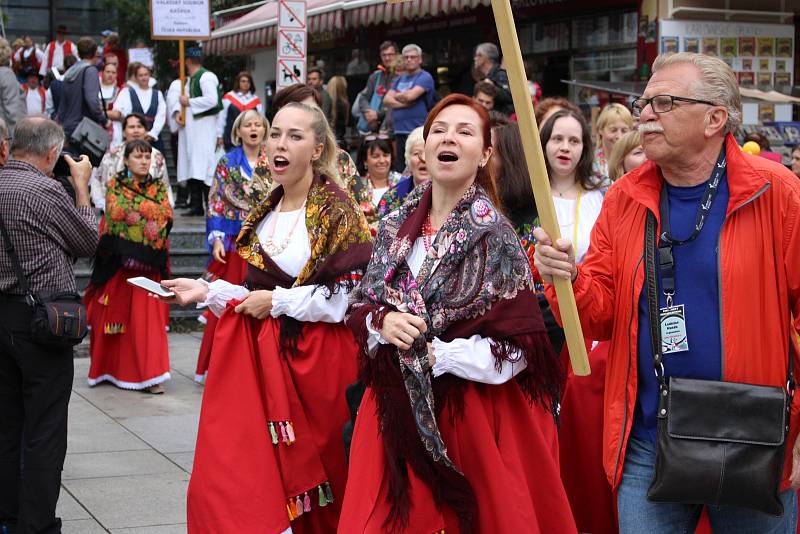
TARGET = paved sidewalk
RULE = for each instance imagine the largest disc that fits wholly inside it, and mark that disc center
(130, 454)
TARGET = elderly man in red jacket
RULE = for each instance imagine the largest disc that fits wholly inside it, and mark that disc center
(727, 283)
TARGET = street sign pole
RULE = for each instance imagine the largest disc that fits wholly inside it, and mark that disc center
(292, 39)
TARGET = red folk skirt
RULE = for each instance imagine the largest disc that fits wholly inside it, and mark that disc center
(243, 481)
(232, 271)
(128, 341)
(507, 449)
(581, 441)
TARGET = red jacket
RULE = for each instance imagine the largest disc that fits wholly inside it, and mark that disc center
(759, 272)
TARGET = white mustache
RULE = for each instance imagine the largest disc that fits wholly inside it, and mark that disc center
(651, 127)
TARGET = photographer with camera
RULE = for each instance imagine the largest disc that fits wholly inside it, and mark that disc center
(47, 230)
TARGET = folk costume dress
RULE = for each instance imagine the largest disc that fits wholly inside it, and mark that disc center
(270, 455)
(236, 188)
(233, 104)
(113, 163)
(394, 197)
(369, 197)
(470, 444)
(128, 340)
(197, 140)
(581, 433)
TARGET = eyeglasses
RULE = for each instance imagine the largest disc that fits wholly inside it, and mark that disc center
(375, 137)
(663, 103)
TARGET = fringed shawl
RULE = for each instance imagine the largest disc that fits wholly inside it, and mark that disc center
(137, 222)
(475, 279)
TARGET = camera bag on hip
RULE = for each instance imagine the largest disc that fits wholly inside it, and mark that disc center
(718, 443)
(59, 319)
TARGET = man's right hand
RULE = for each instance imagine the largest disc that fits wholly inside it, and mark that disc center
(371, 115)
(79, 172)
(401, 329)
(554, 260)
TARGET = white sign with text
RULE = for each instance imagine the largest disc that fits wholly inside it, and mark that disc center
(180, 19)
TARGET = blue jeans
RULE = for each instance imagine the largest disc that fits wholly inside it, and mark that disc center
(638, 515)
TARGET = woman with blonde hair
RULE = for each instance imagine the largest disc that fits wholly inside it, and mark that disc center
(613, 122)
(340, 110)
(239, 185)
(270, 455)
(626, 155)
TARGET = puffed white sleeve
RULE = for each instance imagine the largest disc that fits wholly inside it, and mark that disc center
(310, 303)
(374, 337)
(161, 116)
(209, 97)
(472, 359)
(123, 102)
(219, 293)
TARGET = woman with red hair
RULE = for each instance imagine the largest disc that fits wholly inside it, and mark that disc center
(455, 431)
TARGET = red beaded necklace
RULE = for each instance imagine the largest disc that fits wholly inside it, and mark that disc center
(427, 233)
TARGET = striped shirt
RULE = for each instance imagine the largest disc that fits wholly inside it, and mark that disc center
(46, 229)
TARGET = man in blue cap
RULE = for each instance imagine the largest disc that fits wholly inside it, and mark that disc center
(197, 133)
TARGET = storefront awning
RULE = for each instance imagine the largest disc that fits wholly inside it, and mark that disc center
(634, 89)
(768, 96)
(257, 28)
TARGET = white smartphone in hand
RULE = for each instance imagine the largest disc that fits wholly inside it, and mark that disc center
(151, 286)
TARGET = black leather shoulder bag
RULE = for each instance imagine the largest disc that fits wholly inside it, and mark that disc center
(719, 443)
(59, 319)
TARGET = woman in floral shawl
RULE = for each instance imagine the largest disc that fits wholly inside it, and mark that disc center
(128, 340)
(270, 455)
(455, 432)
(241, 182)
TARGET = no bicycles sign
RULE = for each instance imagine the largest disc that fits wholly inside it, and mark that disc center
(292, 33)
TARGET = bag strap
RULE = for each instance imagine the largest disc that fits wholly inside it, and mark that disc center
(83, 90)
(22, 280)
(651, 279)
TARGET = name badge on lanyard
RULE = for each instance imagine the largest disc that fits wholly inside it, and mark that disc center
(673, 317)
(673, 329)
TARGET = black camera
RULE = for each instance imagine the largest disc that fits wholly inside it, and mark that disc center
(62, 174)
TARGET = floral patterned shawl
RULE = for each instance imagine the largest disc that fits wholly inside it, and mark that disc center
(232, 195)
(337, 232)
(475, 280)
(137, 221)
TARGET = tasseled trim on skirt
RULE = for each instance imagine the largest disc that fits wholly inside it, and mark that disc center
(281, 432)
(301, 504)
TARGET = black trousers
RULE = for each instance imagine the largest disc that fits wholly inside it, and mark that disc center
(35, 385)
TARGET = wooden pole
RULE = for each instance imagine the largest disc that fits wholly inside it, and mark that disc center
(534, 156)
(182, 71)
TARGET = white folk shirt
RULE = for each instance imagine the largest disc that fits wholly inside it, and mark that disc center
(244, 98)
(468, 358)
(197, 141)
(58, 56)
(34, 104)
(586, 215)
(304, 303)
(123, 105)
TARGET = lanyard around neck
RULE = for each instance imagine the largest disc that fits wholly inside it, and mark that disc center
(667, 241)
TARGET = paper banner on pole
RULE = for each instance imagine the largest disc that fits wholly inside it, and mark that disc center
(142, 55)
(180, 19)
